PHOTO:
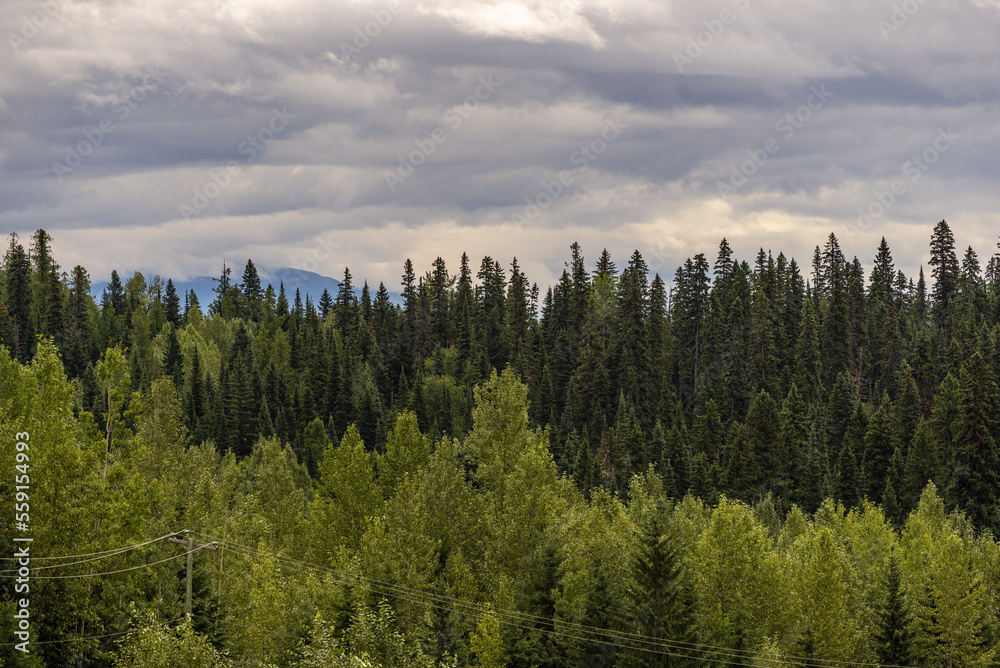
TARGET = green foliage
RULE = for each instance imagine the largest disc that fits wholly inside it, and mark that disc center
(894, 634)
(153, 644)
(367, 451)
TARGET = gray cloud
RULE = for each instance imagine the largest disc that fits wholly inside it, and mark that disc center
(360, 101)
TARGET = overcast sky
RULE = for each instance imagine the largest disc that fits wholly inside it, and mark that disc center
(167, 135)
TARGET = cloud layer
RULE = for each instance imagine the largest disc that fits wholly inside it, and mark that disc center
(166, 136)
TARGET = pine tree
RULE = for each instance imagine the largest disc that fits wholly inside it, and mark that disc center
(46, 288)
(114, 295)
(847, 483)
(517, 316)
(79, 345)
(172, 304)
(840, 406)
(689, 310)
(173, 359)
(439, 285)
(894, 636)
(818, 275)
(808, 365)
(945, 273)
(633, 337)
(835, 336)
(878, 448)
(760, 465)
(227, 295)
(605, 266)
(192, 311)
(252, 294)
(491, 299)
(723, 267)
(281, 306)
(764, 358)
(325, 304)
(19, 301)
(580, 285)
(974, 484)
(883, 275)
(465, 307)
(346, 305)
(661, 594)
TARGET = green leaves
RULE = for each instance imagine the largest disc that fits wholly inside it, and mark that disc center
(155, 645)
(348, 494)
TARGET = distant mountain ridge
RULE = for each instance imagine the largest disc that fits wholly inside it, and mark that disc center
(308, 283)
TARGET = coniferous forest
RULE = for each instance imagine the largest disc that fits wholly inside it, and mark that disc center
(752, 462)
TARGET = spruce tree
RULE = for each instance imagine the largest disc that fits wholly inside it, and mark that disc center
(633, 338)
(173, 360)
(883, 276)
(605, 266)
(847, 481)
(325, 303)
(975, 486)
(172, 304)
(79, 344)
(894, 635)
(808, 365)
(878, 449)
(945, 272)
(21, 330)
(661, 599)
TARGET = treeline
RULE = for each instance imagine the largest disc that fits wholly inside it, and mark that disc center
(448, 552)
(733, 379)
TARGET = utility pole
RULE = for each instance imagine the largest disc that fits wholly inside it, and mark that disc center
(191, 545)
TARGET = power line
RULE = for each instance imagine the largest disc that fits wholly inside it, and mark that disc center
(93, 556)
(111, 551)
(107, 555)
(610, 638)
(123, 570)
(620, 638)
(476, 608)
(106, 635)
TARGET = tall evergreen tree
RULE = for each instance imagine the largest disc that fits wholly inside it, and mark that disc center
(253, 295)
(945, 272)
(690, 307)
(633, 337)
(975, 483)
(808, 365)
(79, 345)
(325, 304)
(661, 594)
(605, 266)
(894, 634)
(19, 301)
(172, 304)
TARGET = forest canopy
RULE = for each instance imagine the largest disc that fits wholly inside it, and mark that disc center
(748, 464)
